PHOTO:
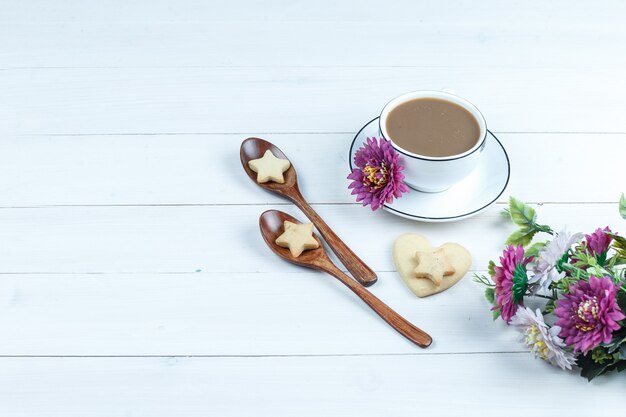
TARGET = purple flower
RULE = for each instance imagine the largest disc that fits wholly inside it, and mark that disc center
(598, 242)
(589, 313)
(377, 177)
(510, 278)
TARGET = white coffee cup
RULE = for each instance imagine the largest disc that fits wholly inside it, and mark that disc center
(434, 174)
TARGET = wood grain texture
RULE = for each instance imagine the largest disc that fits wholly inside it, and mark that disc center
(190, 169)
(271, 224)
(276, 99)
(299, 312)
(531, 15)
(225, 239)
(534, 34)
(119, 236)
(197, 43)
(255, 148)
(304, 386)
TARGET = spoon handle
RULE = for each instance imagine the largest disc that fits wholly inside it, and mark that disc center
(395, 320)
(353, 263)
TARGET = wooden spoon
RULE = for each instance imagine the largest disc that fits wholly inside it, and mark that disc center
(271, 224)
(254, 148)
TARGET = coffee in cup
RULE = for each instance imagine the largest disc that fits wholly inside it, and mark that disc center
(439, 136)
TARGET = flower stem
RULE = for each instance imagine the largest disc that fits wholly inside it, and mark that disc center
(544, 296)
(481, 279)
(543, 228)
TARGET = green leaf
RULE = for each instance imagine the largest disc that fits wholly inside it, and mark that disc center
(521, 213)
(617, 260)
(618, 243)
(619, 239)
(596, 270)
(562, 285)
(576, 274)
(535, 248)
(612, 262)
(550, 306)
(619, 340)
(590, 368)
(490, 295)
(622, 206)
(600, 356)
(496, 314)
(520, 283)
(582, 260)
(621, 300)
(491, 268)
(615, 365)
(563, 261)
(522, 237)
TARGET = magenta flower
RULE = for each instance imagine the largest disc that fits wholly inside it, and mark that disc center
(589, 313)
(598, 242)
(511, 281)
(377, 177)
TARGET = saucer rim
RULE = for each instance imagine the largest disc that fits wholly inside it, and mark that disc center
(442, 219)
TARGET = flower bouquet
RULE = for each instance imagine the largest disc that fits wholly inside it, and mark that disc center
(566, 295)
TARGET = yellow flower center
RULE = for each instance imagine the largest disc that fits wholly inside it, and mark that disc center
(535, 342)
(587, 310)
(376, 176)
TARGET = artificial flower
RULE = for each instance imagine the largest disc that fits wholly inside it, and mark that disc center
(588, 313)
(598, 242)
(544, 269)
(377, 176)
(510, 279)
(541, 339)
(585, 297)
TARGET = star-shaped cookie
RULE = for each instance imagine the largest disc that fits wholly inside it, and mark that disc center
(432, 265)
(269, 168)
(297, 237)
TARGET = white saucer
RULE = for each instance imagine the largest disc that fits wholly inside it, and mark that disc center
(469, 197)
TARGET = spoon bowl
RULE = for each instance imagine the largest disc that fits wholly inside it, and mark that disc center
(254, 148)
(271, 225)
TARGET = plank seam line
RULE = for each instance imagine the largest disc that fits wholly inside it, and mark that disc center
(329, 355)
(270, 66)
(191, 272)
(297, 133)
(281, 203)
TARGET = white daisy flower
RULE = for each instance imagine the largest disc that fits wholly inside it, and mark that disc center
(543, 268)
(541, 339)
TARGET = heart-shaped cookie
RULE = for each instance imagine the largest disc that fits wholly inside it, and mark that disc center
(405, 249)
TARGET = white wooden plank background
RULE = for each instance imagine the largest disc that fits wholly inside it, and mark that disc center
(183, 169)
(306, 386)
(133, 280)
(207, 100)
